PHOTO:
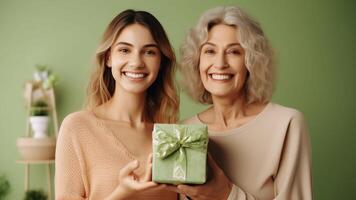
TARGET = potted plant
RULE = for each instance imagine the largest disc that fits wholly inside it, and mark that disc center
(4, 187)
(35, 195)
(44, 76)
(39, 119)
(37, 144)
(40, 146)
(41, 73)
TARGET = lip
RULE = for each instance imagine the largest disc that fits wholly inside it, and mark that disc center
(221, 77)
(134, 75)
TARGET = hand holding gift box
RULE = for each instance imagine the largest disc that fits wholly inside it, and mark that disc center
(179, 153)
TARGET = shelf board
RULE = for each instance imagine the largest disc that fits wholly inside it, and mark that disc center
(35, 161)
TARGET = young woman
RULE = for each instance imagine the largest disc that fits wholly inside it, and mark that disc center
(263, 148)
(103, 151)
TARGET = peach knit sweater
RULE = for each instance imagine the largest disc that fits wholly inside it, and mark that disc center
(266, 158)
(88, 160)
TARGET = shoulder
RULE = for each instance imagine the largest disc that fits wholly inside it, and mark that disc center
(76, 119)
(285, 119)
(289, 113)
(77, 124)
(295, 123)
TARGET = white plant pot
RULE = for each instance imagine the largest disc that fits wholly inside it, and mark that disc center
(39, 126)
(37, 76)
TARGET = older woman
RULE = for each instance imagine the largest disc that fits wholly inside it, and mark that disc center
(263, 148)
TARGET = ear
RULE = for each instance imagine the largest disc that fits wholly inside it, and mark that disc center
(108, 61)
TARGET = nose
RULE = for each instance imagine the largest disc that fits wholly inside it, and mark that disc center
(136, 60)
(220, 60)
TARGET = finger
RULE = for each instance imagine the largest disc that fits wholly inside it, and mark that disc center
(172, 188)
(129, 168)
(212, 163)
(145, 185)
(150, 157)
(148, 174)
(160, 186)
(187, 190)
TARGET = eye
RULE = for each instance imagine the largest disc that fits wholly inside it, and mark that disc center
(234, 51)
(124, 50)
(150, 52)
(209, 51)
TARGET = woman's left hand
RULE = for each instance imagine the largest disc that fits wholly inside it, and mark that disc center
(218, 187)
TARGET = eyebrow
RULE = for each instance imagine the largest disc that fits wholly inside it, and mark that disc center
(229, 45)
(129, 44)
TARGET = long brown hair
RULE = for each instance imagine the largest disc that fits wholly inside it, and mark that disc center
(162, 101)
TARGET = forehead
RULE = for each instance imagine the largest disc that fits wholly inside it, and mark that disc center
(223, 33)
(135, 34)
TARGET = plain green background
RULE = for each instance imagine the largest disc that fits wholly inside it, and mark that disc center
(314, 42)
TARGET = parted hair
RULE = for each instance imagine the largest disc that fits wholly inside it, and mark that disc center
(259, 60)
(162, 101)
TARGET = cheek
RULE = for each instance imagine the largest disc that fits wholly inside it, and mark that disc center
(116, 67)
(155, 71)
(157, 63)
(203, 65)
(202, 71)
(242, 76)
(154, 65)
(237, 61)
(118, 62)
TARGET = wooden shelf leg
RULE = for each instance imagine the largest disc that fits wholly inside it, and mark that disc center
(49, 181)
(27, 177)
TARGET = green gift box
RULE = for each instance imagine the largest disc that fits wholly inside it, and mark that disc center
(179, 153)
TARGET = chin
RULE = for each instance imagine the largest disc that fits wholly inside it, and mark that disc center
(135, 89)
(220, 93)
(220, 90)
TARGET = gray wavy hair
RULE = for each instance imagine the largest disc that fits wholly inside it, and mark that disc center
(259, 61)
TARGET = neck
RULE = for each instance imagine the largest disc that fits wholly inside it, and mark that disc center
(127, 107)
(227, 109)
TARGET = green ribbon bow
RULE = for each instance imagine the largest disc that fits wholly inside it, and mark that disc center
(182, 137)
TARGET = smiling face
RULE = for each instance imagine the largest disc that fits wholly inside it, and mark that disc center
(135, 59)
(222, 62)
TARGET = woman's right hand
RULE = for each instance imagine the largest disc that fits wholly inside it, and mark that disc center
(218, 187)
(130, 183)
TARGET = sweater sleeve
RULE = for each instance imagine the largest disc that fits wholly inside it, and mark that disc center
(293, 179)
(238, 194)
(68, 175)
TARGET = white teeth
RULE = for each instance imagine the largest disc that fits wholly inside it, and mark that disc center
(220, 76)
(134, 75)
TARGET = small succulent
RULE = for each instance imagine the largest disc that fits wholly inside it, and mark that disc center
(44, 75)
(39, 108)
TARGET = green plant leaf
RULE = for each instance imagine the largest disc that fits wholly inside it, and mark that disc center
(35, 195)
(4, 187)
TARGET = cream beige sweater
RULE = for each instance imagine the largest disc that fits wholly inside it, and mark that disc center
(266, 158)
(88, 160)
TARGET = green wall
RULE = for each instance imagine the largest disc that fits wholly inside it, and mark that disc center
(314, 41)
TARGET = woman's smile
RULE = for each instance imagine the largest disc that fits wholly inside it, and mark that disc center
(221, 76)
(135, 75)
